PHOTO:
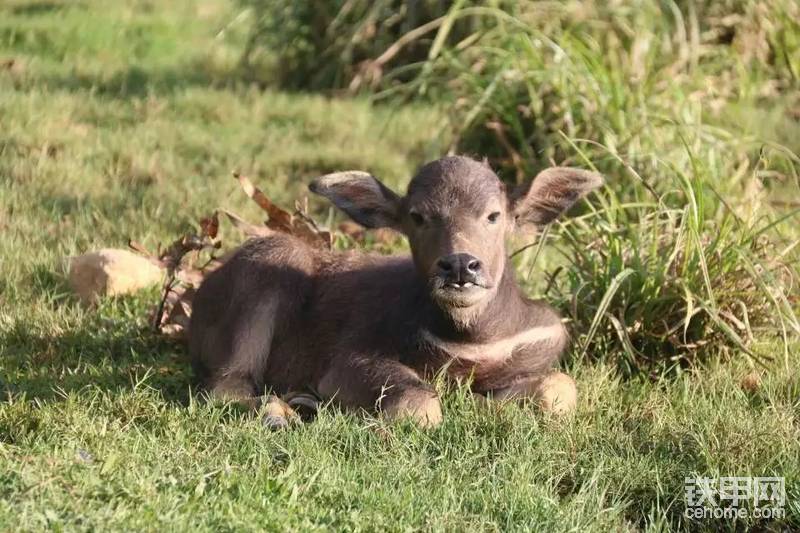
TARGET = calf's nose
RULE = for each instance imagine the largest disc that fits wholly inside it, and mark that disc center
(459, 267)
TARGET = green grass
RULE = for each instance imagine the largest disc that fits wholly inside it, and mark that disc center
(124, 122)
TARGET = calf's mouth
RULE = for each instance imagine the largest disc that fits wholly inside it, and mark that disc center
(458, 293)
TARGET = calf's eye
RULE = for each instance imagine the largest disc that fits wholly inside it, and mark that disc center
(493, 217)
(417, 218)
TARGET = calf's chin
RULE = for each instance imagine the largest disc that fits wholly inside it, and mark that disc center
(463, 310)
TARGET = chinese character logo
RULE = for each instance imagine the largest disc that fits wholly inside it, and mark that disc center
(735, 497)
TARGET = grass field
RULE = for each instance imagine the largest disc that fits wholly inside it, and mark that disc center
(123, 120)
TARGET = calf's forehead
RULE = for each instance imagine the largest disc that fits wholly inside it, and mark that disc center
(455, 183)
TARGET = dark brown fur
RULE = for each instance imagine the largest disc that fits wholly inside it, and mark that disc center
(357, 328)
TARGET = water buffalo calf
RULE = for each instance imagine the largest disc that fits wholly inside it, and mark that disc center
(369, 331)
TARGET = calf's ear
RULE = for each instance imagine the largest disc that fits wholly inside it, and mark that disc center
(365, 199)
(552, 192)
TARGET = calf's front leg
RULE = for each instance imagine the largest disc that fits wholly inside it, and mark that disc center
(275, 413)
(555, 393)
(383, 385)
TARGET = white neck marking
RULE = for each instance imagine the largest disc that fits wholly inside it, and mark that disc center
(493, 351)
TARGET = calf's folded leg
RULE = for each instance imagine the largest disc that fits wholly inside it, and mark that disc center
(234, 388)
(555, 393)
(243, 310)
(383, 385)
(275, 413)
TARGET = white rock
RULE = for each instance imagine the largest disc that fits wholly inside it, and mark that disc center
(110, 271)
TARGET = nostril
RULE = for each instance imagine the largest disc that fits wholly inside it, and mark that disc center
(444, 265)
(474, 266)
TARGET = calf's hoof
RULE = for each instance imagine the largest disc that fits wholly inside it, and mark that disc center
(419, 405)
(275, 413)
(557, 394)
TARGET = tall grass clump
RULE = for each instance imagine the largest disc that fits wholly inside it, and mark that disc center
(342, 44)
(690, 111)
(659, 283)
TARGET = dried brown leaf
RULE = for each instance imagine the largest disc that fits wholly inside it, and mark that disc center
(299, 224)
(278, 218)
(251, 230)
(210, 226)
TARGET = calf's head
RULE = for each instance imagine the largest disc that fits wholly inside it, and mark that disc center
(457, 214)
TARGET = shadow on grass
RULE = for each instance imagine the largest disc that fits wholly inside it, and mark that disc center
(138, 81)
(108, 352)
(42, 7)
